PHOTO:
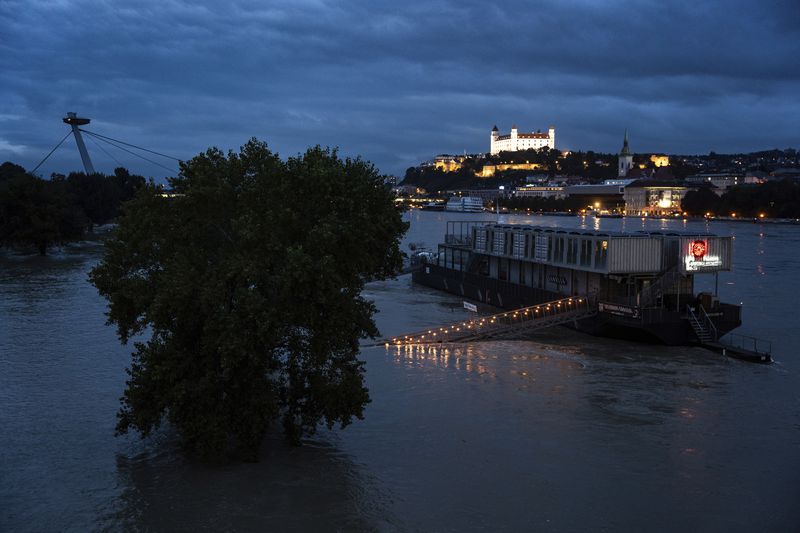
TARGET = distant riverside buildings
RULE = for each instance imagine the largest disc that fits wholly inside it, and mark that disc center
(721, 182)
(646, 184)
(654, 198)
(516, 141)
(540, 191)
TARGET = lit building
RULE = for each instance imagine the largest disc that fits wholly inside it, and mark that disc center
(490, 170)
(516, 141)
(723, 182)
(654, 198)
(448, 163)
(540, 191)
(625, 158)
(659, 160)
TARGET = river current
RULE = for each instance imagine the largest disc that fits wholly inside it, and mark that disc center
(563, 432)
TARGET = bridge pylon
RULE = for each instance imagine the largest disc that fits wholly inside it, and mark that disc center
(74, 121)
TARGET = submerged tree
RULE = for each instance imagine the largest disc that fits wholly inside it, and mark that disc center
(36, 212)
(248, 281)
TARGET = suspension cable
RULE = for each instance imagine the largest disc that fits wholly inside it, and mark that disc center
(51, 152)
(102, 138)
(129, 144)
(109, 154)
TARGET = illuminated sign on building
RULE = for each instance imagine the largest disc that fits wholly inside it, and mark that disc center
(698, 249)
(697, 258)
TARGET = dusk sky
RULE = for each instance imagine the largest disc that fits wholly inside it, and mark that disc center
(396, 82)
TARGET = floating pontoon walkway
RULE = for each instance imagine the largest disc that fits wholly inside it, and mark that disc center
(508, 323)
(742, 347)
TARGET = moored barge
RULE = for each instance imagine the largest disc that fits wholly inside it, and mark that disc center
(641, 284)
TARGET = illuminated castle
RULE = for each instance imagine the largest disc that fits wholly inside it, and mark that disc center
(516, 141)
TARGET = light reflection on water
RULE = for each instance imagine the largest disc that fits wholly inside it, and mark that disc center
(553, 433)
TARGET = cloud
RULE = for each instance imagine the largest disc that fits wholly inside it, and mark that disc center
(14, 149)
(398, 83)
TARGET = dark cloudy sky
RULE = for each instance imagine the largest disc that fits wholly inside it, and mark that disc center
(396, 82)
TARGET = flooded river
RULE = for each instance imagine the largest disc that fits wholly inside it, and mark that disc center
(563, 432)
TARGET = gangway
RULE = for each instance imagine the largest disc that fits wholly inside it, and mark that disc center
(733, 345)
(514, 322)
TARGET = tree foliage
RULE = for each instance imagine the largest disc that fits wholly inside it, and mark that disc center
(35, 212)
(700, 201)
(248, 282)
(774, 199)
(41, 213)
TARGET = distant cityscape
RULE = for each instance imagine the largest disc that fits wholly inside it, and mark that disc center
(526, 170)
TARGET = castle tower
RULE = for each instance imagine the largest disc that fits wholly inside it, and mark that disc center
(551, 133)
(625, 157)
(493, 140)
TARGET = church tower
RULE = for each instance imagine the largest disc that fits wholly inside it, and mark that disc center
(625, 157)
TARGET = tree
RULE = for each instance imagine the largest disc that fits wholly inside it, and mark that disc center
(248, 282)
(700, 202)
(36, 212)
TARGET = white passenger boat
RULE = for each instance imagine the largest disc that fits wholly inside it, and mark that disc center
(465, 204)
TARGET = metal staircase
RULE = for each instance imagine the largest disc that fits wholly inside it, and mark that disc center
(743, 347)
(525, 319)
(702, 325)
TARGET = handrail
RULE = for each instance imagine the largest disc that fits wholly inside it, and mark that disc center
(755, 341)
(694, 319)
(707, 320)
(493, 324)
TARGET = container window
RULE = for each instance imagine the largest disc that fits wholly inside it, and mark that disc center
(600, 254)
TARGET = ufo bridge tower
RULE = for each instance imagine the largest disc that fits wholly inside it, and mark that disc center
(73, 120)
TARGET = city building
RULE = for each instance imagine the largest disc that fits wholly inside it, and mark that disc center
(625, 158)
(785, 173)
(654, 198)
(660, 160)
(516, 141)
(489, 171)
(540, 191)
(722, 182)
(448, 163)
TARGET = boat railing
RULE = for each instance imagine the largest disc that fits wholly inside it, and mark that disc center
(458, 240)
(747, 342)
(460, 232)
(528, 318)
(707, 322)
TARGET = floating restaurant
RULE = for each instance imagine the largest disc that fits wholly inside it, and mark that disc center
(638, 285)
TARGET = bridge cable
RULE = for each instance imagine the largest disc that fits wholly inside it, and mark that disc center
(51, 152)
(129, 144)
(131, 152)
(106, 151)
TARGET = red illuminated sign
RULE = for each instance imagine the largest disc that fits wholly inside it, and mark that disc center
(698, 249)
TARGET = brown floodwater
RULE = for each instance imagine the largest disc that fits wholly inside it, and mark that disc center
(560, 432)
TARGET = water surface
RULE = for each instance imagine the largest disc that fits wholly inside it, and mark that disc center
(563, 432)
